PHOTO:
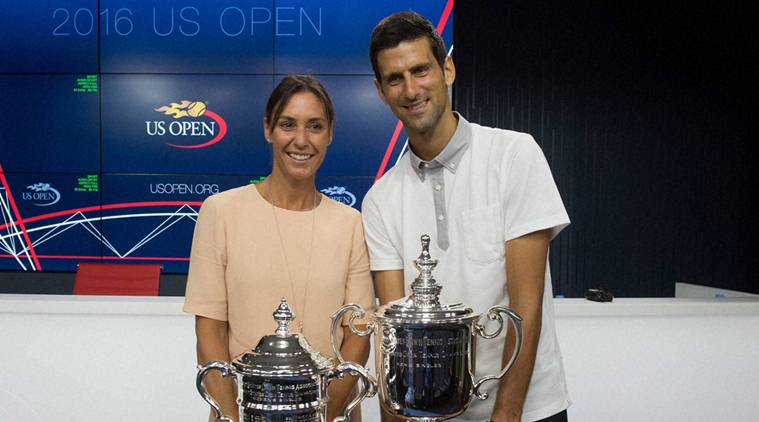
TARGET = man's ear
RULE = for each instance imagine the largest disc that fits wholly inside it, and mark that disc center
(449, 70)
(381, 94)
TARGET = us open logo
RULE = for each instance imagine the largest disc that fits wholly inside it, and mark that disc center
(191, 121)
(41, 194)
(340, 194)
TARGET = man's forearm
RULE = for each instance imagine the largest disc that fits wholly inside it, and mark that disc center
(525, 274)
(388, 285)
(513, 387)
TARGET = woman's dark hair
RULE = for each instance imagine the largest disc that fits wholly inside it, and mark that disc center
(400, 27)
(291, 85)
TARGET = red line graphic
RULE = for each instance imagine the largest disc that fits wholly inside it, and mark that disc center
(109, 258)
(105, 207)
(18, 221)
(389, 151)
(444, 17)
(222, 131)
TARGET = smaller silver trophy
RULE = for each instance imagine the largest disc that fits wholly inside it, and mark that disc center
(283, 379)
(425, 351)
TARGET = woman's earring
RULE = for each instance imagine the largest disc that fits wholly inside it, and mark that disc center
(268, 140)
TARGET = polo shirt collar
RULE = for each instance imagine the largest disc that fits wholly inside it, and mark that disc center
(451, 155)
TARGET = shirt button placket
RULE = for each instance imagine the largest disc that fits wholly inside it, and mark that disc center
(438, 193)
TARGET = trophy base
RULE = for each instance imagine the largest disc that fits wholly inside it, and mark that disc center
(417, 416)
(307, 416)
(426, 418)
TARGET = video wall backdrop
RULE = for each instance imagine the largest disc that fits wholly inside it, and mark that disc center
(119, 117)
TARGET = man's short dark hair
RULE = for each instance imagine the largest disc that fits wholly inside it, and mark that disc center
(400, 27)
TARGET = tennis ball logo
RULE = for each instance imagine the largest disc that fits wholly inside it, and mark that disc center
(183, 108)
(212, 127)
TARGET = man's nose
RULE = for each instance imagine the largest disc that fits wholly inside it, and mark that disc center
(410, 88)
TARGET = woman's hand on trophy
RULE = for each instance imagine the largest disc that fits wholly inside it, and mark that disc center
(354, 348)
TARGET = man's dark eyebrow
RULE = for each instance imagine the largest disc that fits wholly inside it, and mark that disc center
(421, 66)
(391, 75)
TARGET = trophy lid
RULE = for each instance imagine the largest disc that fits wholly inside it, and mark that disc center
(282, 354)
(424, 302)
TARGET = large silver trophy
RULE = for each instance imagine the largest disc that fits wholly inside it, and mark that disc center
(425, 351)
(283, 379)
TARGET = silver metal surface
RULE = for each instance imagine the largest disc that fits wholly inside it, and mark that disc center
(226, 371)
(424, 350)
(284, 378)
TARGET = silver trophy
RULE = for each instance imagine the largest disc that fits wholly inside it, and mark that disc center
(283, 379)
(425, 351)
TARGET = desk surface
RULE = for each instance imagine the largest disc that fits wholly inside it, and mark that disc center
(565, 308)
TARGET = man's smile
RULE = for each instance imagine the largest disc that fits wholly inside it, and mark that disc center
(416, 107)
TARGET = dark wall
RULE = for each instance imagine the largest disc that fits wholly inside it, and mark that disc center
(646, 115)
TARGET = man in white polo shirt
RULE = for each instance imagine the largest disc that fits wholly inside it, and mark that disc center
(488, 200)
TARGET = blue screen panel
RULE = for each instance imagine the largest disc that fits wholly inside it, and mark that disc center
(332, 36)
(348, 190)
(363, 127)
(49, 36)
(50, 123)
(49, 221)
(214, 125)
(106, 154)
(151, 218)
(158, 36)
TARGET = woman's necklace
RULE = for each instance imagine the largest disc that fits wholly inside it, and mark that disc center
(302, 315)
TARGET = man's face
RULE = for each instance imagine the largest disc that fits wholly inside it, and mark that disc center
(414, 86)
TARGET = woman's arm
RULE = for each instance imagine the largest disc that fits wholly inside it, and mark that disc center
(213, 344)
(354, 349)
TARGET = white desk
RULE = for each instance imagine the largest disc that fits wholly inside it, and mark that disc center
(69, 358)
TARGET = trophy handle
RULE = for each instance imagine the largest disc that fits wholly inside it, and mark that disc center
(226, 371)
(367, 386)
(358, 312)
(494, 314)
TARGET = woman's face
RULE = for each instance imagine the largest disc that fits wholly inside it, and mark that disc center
(299, 137)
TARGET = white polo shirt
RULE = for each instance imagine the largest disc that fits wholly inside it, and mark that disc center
(486, 187)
